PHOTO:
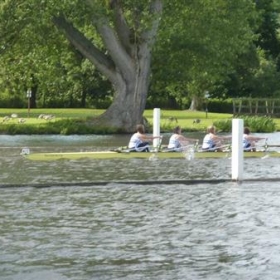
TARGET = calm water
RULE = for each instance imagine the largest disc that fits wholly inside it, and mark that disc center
(134, 231)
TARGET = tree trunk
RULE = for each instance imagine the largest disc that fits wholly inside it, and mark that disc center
(83, 99)
(128, 105)
(126, 62)
(34, 90)
(194, 103)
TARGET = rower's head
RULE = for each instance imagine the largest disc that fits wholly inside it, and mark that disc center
(140, 128)
(246, 130)
(177, 130)
(211, 129)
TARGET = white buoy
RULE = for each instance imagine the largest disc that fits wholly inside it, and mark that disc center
(237, 150)
(156, 126)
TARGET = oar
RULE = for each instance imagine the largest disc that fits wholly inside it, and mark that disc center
(272, 146)
(183, 148)
(215, 148)
(157, 149)
(265, 146)
(154, 152)
(180, 149)
(122, 150)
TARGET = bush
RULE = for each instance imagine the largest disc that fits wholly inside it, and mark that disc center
(12, 101)
(256, 124)
(220, 106)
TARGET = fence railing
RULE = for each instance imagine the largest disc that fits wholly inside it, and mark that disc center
(256, 106)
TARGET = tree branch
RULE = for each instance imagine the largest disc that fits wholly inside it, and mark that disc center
(149, 36)
(115, 48)
(85, 46)
(122, 28)
(112, 42)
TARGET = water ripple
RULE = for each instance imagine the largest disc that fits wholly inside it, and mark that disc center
(134, 231)
(141, 232)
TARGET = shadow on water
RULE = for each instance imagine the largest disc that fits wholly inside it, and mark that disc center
(135, 231)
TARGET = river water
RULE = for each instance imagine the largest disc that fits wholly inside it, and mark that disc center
(103, 223)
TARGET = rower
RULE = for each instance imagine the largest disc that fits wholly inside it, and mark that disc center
(177, 142)
(249, 141)
(211, 141)
(139, 141)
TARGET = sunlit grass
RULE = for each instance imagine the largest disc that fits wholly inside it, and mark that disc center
(32, 117)
(188, 120)
(169, 118)
(60, 113)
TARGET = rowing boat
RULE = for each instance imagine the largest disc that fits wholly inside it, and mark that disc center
(143, 155)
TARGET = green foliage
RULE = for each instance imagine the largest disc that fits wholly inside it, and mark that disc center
(202, 45)
(34, 54)
(219, 105)
(199, 42)
(64, 127)
(269, 26)
(255, 123)
(12, 101)
(266, 80)
(223, 125)
(78, 121)
(256, 72)
(77, 126)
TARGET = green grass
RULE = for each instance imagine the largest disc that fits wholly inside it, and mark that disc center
(169, 118)
(58, 113)
(277, 122)
(186, 118)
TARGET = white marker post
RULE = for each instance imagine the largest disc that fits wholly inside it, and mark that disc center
(156, 126)
(237, 150)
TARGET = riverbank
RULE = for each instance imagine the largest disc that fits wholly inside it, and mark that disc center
(76, 121)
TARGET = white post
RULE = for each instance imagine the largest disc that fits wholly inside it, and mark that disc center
(237, 150)
(156, 126)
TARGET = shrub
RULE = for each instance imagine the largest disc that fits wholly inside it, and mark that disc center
(220, 106)
(255, 123)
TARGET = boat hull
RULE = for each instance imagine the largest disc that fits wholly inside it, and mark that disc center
(130, 155)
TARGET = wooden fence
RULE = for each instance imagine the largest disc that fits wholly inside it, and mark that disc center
(256, 106)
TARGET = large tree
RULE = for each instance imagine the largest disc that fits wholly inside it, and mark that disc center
(127, 32)
(199, 39)
(256, 72)
(199, 50)
(125, 58)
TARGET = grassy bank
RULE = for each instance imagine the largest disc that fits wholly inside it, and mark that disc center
(71, 121)
(188, 120)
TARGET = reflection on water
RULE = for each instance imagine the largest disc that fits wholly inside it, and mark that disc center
(134, 231)
(60, 141)
(227, 231)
